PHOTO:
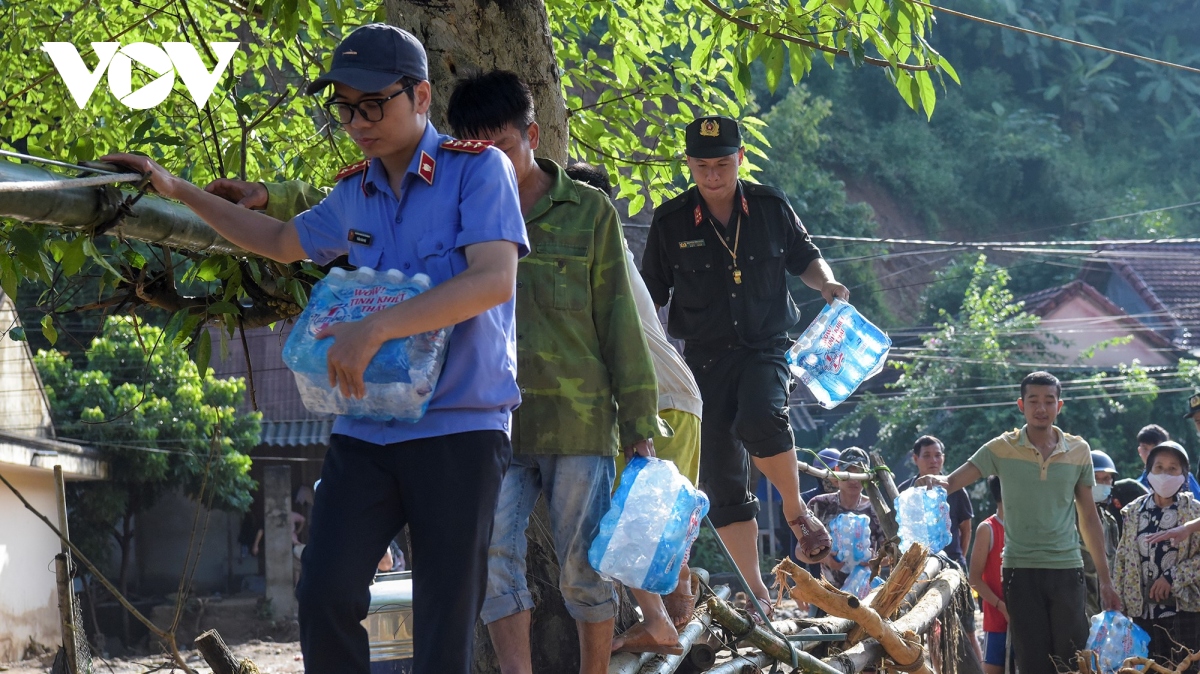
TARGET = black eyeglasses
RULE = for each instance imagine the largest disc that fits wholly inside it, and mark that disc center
(371, 109)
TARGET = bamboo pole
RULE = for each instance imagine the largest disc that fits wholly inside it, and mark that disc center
(903, 648)
(634, 663)
(691, 637)
(155, 220)
(770, 644)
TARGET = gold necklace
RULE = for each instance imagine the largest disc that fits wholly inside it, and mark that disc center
(737, 236)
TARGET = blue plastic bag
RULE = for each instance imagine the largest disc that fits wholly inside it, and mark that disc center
(645, 537)
(924, 517)
(400, 377)
(838, 351)
(1113, 638)
(858, 583)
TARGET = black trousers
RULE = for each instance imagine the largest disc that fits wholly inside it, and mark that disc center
(1169, 636)
(1049, 623)
(445, 489)
(745, 393)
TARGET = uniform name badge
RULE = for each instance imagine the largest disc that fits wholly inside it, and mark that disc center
(359, 237)
(695, 243)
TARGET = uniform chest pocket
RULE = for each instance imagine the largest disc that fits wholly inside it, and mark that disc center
(696, 281)
(764, 268)
(442, 260)
(561, 276)
(366, 255)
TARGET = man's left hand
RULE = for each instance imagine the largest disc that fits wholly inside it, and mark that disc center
(353, 348)
(1160, 590)
(833, 290)
(1109, 597)
(640, 448)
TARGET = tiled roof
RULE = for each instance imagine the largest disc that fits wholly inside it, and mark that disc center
(1043, 302)
(296, 433)
(1167, 278)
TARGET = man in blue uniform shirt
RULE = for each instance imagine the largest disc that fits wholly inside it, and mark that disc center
(420, 203)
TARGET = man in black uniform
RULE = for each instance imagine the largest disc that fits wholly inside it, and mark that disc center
(726, 246)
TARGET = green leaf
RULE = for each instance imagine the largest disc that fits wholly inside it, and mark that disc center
(89, 247)
(773, 60)
(928, 95)
(222, 308)
(73, 256)
(17, 334)
(203, 353)
(48, 329)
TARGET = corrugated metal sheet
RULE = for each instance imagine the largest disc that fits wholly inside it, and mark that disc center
(296, 433)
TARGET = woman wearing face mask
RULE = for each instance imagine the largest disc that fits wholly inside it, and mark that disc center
(1157, 576)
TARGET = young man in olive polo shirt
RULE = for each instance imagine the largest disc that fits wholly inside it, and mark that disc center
(1046, 476)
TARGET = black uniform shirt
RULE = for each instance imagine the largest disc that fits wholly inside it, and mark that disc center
(709, 310)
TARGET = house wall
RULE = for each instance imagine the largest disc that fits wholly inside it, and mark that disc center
(23, 407)
(1074, 323)
(162, 545)
(28, 596)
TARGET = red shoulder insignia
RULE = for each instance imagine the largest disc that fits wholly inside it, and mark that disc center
(352, 169)
(698, 216)
(425, 167)
(468, 146)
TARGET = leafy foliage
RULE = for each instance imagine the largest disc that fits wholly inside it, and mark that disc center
(142, 403)
(633, 72)
(962, 382)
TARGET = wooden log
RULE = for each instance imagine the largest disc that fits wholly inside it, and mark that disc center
(886, 600)
(770, 644)
(218, 656)
(918, 620)
(66, 589)
(905, 649)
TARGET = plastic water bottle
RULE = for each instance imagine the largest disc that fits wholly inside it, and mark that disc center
(402, 375)
(924, 517)
(1113, 637)
(645, 537)
(839, 351)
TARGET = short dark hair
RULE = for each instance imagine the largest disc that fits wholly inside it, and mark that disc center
(994, 488)
(924, 441)
(587, 174)
(489, 102)
(1041, 378)
(1153, 435)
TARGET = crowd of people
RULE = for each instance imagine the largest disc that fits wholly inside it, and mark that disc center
(558, 367)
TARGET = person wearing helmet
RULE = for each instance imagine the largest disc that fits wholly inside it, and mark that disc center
(1106, 473)
(1157, 568)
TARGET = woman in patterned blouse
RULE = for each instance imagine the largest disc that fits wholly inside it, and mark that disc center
(1157, 576)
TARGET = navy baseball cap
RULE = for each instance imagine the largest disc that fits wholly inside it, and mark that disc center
(374, 57)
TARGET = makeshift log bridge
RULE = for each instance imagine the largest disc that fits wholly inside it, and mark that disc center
(893, 628)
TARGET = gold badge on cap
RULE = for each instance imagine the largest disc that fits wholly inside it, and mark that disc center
(710, 128)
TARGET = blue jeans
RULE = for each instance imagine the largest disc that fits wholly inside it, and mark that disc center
(578, 492)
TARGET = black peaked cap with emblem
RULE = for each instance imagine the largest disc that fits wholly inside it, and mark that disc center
(374, 57)
(708, 137)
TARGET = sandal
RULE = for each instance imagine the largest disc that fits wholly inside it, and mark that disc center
(637, 640)
(681, 602)
(815, 543)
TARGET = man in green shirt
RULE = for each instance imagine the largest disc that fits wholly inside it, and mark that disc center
(1046, 477)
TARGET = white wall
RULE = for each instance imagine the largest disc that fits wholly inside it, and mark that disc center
(23, 408)
(1081, 325)
(28, 598)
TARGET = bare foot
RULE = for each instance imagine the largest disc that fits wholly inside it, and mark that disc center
(648, 638)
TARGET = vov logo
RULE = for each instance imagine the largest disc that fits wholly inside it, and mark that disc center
(164, 61)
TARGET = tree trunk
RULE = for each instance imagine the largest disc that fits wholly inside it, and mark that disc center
(467, 37)
(464, 38)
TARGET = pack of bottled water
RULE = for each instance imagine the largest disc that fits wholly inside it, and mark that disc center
(851, 536)
(400, 377)
(648, 532)
(858, 583)
(1113, 638)
(924, 517)
(839, 351)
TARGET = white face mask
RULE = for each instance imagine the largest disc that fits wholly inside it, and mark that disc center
(1101, 492)
(1165, 485)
